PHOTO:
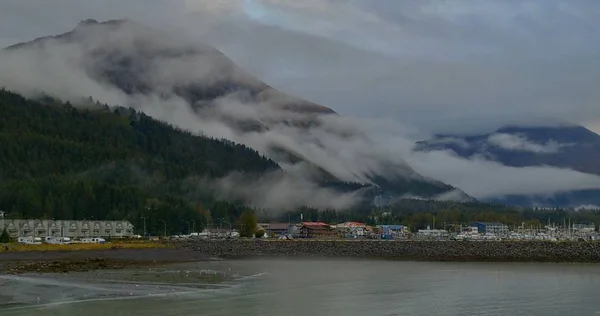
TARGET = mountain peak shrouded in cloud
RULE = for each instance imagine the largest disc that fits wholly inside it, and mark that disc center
(87, 22)
(196, 87)
(566, 146)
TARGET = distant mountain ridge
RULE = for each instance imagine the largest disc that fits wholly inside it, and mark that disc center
(573, 147)
(567, 147)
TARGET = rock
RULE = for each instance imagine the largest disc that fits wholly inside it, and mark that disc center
(522, 251)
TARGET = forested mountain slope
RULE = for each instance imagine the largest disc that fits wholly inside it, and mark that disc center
(60, 162)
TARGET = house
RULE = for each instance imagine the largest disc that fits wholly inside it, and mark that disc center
(316, 230)
(491, 228)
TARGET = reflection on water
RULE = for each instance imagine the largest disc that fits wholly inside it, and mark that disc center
(324, 287)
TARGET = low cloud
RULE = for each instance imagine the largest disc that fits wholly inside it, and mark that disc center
(485, 179)
(448, 140)
(279, 191)
(521, 143)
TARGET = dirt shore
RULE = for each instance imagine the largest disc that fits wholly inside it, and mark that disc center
(69, 261)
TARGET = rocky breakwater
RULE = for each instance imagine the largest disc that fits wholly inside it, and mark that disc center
(499, 251)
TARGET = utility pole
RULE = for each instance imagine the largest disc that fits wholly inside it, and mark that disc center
(2, 217)
(144, 218)
(165, 223)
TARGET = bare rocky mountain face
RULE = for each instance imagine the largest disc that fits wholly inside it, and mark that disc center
(568, 147)
(196, 87)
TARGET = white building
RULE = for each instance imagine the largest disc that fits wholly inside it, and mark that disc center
(352, 228)
(73, 229)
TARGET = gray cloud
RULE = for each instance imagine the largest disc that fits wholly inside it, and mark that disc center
(444, 66)
(484, 179)
(397, 71)
(521, 143)
(281, 192)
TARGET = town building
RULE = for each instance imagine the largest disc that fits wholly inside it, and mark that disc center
(352, 229)
(491, 228)
(277, 229)
(72, 229)
(316, 230)
(432, 233)
(391, 230)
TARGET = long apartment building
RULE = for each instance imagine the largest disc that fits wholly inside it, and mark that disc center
(73, 229)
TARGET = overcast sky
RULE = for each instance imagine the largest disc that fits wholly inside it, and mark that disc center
(442, 66)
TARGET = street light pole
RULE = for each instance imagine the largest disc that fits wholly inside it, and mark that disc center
(193, 226)
(144, 218)
(165, 223)
(2, 214)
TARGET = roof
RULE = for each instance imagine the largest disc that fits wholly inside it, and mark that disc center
(392, 227)
(351, 224)
(317, 227)
(315, 224)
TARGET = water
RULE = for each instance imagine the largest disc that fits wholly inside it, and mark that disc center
(312, 287)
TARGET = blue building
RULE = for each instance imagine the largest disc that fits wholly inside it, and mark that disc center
(390, 231)
(491, 228)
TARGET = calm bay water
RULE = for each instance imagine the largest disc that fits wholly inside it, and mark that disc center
(313, 287)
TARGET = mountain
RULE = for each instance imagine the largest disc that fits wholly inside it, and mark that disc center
(567, 147)
(139, 60)
(198, 88)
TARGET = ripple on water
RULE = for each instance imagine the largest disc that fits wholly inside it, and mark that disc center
(275, 287)
(59, 289)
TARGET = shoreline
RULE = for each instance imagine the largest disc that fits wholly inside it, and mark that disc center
(91, 260)
(406, 250)
(64, 261)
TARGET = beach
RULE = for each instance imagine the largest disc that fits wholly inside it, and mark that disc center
(86, 260)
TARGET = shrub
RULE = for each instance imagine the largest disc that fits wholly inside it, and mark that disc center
(4, 237)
